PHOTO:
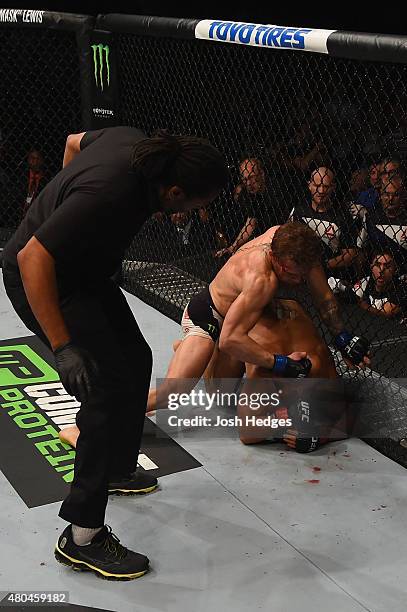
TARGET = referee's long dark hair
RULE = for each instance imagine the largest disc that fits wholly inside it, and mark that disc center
(189, 162)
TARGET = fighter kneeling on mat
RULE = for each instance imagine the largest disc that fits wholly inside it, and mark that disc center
(230, 307)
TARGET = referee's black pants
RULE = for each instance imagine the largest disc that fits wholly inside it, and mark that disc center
(111, 422)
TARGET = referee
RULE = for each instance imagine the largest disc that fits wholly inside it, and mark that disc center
(57, 272)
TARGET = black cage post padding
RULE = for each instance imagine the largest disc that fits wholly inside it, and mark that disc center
(368, 47)
(103, 87)
(148, 25)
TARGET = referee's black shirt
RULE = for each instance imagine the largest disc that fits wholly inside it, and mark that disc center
(88, 214)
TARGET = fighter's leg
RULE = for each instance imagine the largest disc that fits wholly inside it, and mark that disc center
(201, 326)
(69, 435)
(186, 367)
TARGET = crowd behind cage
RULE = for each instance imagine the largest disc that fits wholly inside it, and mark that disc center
(356, 203)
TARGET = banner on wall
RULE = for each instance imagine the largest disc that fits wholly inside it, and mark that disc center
(103, 79)
(34, 407)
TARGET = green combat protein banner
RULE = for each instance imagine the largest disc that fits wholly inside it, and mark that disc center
(34, 407)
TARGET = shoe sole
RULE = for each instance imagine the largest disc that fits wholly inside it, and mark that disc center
(82, 566)
(129, 492)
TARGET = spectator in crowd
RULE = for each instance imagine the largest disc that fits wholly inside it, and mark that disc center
(339, 128)
(385, 224)
(212, 227)
(358, 183)
(304, 151)
(382, 293)
(171, 237)
(390, 167)
(371, 147)
(181, 222)
(193, 231)
(331, 222)
(228, 214)
(36, 178)
(395, 129)
(370, 195)
(255, 196)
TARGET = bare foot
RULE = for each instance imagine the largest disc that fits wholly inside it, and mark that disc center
(69, 435)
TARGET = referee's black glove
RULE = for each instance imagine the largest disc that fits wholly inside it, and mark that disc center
(77, 370)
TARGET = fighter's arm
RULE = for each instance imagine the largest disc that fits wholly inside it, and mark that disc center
(353, 348)
(75, 143)
(325, 300)
(343, 260)
(242, 316)
(389, 310)
(244, 236)
(72, 147)
(348, 249)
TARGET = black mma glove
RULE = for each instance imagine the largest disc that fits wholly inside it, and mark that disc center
(77, 370)
(354, 348)
(303, 435)
(289, 368)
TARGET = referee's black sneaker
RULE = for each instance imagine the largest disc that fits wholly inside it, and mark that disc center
(136, 483)
(104, 556)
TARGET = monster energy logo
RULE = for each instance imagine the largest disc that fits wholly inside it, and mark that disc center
(100, 64)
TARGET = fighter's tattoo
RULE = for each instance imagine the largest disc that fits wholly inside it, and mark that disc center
(330, 314)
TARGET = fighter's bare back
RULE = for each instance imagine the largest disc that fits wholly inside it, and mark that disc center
(250, 263)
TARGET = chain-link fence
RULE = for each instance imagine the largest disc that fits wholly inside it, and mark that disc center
(40, 104)
(308, 137)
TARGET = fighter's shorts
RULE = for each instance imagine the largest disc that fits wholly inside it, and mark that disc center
(201, 318)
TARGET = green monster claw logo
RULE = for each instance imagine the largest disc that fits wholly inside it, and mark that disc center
(100, 58)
